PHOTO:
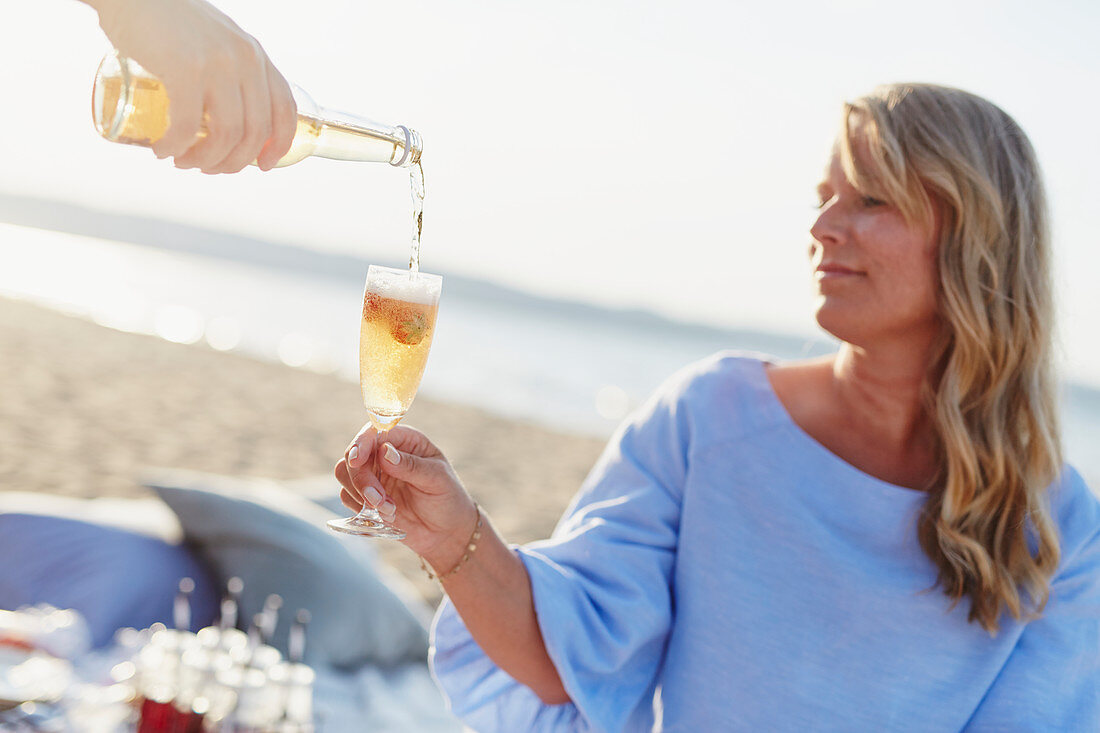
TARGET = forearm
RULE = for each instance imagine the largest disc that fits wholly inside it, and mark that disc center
(492, 594)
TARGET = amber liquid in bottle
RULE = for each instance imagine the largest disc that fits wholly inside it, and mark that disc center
(131, 106)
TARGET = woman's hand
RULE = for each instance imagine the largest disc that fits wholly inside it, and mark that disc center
(208, 66)
(416, 489)
(403, 475)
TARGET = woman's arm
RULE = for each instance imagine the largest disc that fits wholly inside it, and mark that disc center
(1051, 681)
(492, 594)
(491, 590)
(582, 618)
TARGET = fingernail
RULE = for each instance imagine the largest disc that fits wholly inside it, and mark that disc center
(392, 455)
(389, 508)
(372, 495)
(353, 454)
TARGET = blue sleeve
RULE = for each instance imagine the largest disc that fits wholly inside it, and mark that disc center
(602, 595)
(1051, 681)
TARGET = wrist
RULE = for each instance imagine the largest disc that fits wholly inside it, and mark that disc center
(448, 554)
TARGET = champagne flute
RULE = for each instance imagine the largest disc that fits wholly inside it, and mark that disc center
(395, 334)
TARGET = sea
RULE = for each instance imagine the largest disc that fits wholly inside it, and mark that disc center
(566, 365)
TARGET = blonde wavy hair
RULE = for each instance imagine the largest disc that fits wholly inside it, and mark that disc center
(990, 389)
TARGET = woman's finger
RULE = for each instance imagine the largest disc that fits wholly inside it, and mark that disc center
(351, 501)
(342, 475)
(256, 104)
(361, 482)
(361, 446)
(284, 120)
(410, 440)
(184, 119)
(255, 109)
(226, 127)
(423, 473)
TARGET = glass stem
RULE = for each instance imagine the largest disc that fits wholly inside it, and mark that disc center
(366, 512)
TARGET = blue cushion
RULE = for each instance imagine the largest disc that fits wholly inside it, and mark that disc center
(113, 577)
(276, 541)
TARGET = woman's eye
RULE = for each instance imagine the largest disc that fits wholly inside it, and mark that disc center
(870, 202)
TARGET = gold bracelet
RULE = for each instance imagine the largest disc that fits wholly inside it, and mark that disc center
(471, 545)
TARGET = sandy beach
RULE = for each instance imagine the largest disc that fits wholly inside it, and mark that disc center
(84, 410)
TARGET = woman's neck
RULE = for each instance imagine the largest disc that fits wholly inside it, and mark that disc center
(881, 393)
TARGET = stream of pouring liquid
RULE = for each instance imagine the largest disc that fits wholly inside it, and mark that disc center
(416, 186)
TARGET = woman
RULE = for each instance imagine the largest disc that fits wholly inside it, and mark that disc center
(883, 539)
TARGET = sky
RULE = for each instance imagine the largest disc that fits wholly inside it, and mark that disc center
(634, 154)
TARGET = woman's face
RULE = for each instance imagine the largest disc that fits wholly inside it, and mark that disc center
(874, 273)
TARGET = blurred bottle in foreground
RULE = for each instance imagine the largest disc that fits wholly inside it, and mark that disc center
(130, 105)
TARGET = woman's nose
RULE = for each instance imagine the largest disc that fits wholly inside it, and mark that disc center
(828, 228)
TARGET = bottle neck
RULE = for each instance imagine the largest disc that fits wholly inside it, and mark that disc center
(344, 136)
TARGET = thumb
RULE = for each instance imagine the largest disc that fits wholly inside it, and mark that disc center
(409, 467)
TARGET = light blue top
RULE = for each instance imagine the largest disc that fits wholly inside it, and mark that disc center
(720, 554)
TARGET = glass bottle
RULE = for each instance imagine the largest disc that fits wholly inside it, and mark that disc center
(130, 105)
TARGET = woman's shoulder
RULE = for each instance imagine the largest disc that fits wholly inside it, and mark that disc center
(740, 375)
(1076, 510)
(724, 373)
(727, 392)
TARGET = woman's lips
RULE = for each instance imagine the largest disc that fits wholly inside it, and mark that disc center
(829, 270)
(829, 276)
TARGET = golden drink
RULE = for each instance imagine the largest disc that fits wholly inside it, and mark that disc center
(416, 188)
(394, 339)
(130, 105)
(395, 335)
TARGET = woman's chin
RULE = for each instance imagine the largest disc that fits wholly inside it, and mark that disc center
(861, 324)
(844, 323)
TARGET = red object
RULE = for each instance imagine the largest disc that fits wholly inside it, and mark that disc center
(16, 642)
(188, 722)
(156, 717)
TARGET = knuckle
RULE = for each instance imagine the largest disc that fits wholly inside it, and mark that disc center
(247, 47)
(245, 53)
(258, 55)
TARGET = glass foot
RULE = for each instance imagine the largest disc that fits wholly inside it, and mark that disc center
(365, 526)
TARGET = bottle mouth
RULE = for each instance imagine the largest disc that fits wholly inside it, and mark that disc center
(410, 154)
